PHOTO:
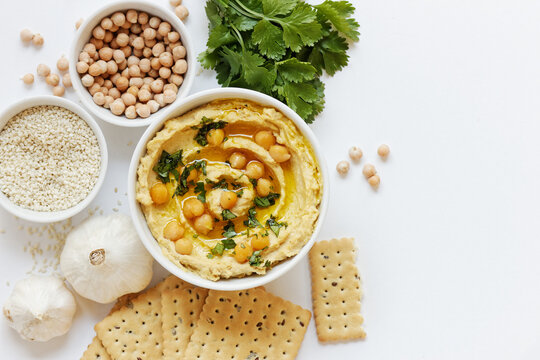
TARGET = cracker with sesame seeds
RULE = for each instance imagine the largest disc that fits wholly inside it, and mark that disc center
(180, 309)
(335, 290)
(249, 324)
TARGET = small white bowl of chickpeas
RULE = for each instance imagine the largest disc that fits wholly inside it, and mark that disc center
(129, 60)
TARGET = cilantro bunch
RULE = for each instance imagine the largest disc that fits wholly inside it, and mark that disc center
(279, 47)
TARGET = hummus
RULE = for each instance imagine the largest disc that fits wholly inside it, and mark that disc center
(229, 189)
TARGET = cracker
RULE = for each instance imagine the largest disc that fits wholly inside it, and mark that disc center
(172, 282)
(335, 290)
(180, 310)
(250, 324)
(134, 331)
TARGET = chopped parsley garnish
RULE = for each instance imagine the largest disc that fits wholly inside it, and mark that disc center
(266, 201)
(267, 264)
(274, 225)
(207, 125)
(221, 184)
(255, 259)
(183, 185)
(221, 246)
(229, 231)
(199, 189)
(227, 214)
(252, 221)
(253, 182)
(240, 192)
(228, 244)
(167, 164)
(236, 186)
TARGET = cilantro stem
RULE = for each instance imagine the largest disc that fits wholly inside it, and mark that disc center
(238, 36)
(254, 13)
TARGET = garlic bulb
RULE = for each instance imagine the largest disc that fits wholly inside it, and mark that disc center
(104, 259)
(40, 308)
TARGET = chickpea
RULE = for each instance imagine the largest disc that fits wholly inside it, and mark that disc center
(203, 224)
(98, 43)
(125, 72)
(157, 86)
(108, 37)
(143, 18)
(115, 93)
(94, 89)
(62, 64)
(180, 67)
(118, 107)
(164, 72)
(148, 80)
(98, 33)
(144, 95)
(160, 99)
(383, 150)
(193, 207)
(159, 194)
(176, 79)
(84, 57)
(228, 199)
(237, 160)
(118, 18)
(130, 112)
(114, 28)
(82, 67)
(143, 110)
(154, 106)
(374, 181)
(134, 71)
(122, 39)
(242, 252)
(58, 90)
(181, 11)
(108, 101)
(343, 167)
(173, 36)
(169, 96)
(99, 80)
(149, 33)
(215, 137)
(136, 81)
(179, 52)
(154, 22)
(43, 70)
(126, 50)
(264, 187)
(355, 153)
(138, 43)
(87, 80)
(128, 99)
(133, 60)
(265, 139)
(255, 169)
(28, 79)
(171, 87)
(183, 246)
(94, 69)
(131, 16)
(147, 52)
(122, 83)
(52, 79)
(106, 23)
(175, 3)
(99, 98)
(158, 49)
(38, 40)
(259, 242)
(90, 49)
(369, 171)
(105, 53)
(153, 73)
(279, 153)
(112, 67)
(103, 65)
(166, 59)
(26, 35)
(78, 23)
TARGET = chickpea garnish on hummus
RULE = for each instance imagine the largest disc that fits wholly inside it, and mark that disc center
(230, 189)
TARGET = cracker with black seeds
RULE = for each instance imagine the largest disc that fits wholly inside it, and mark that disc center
(180, 309)
(249, 324)
(335, 290)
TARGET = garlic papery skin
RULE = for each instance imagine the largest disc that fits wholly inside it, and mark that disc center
(103, 259)
(40, 308)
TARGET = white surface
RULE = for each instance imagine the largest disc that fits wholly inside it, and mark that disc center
(448, 246)
(148, 239)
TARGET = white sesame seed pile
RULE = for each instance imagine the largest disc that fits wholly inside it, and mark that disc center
(49, 159)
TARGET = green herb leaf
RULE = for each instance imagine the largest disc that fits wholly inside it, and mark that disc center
(229, 231)
(255, 259)
(221, 184)
(228, 244)
(167, 164)
(205, 126)
(278, 7)
(200, 190)
(269, 37)
(339, 14)
(227, 214)
(274, 225)
(301, 28)
(218, 249)
(267, 264)
(294, 70)
(252, 221)
(266, 201)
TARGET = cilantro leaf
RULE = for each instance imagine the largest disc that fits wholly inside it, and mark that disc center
(221, 184)
(199, 189)
(269, 37)
(252, 221)
(207, 125)
(338, 13)
(213, 15)
(167, 164)
(219, 36)
(255, 259)
(218, 249)
(227, 214)
(274, 225)
(266, 201)
(228, 230)
(228, 244)
(295, 70)
(278, 7)
(301, 28)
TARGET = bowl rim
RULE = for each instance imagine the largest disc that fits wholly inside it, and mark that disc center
(85, 31)
(139, 220)
(54, 216)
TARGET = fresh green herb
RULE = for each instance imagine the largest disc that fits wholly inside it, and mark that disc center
(266, 201)
(236, 186)
(255, 259)
(240, 193)
(218, 249)
(227, 214)
(167, 164)
(274, 225)
(253, 182)
(199, 189)
(221, 184)
(229, 231)
(252, 221)
(205, 126)
(279, 47)
(209, 255)
(183, 185)
(267, 264)
(228, 244)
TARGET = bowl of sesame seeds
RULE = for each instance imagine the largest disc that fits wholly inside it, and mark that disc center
(53, 159)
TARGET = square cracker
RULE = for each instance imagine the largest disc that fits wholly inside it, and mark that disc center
(335, 290)
(180, 310)
(250, 324)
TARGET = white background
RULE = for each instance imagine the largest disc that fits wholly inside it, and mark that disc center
(449, 245)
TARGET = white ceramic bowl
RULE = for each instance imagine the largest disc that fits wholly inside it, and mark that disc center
(84, 34)
(139, 220)
(52, 216)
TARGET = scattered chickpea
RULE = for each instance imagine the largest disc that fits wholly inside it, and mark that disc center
(175, 3)
(264, 187)
(78, 23)
(355, 153)
(26, 35)
(259, 242)
(237, 160)
(52, 79)
(369, 171)
(28, 79)
(343, 167)
(66, 80)
(62, 64)
(242, 252)
(181, 11)
(38, 40)
(265, 139)
(203, 224)
(183, 246)
(215, 137)
(255, 169)
(58, 90)
(193, 207)
(279, 153)
(118, 107)
(374, 181)
(43, 70)
(228, 199)
(383, 150)
(173, 230)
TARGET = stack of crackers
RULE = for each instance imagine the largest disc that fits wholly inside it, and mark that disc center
(175, 320)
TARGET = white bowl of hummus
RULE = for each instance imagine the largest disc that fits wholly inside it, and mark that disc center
(228, 189)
